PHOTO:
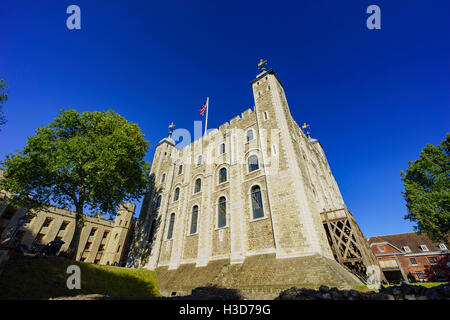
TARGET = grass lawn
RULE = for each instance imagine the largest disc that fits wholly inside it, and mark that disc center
(364, 288)
(43, 278)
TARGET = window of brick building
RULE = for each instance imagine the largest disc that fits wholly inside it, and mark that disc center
(381, 248)
(180, 169)
(432, 260)
(420, 275)
(88, 246)
(93, 231)
(442, 246)
(101, 248)
(105, 234)
(439, 275)
(413, 261)
(406, 249)
(423, 247)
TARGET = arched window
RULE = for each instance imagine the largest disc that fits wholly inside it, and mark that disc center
(253, 163)
(199, 160)
(176, 194)
(163, 178)
(171, 223)
(222, 148)
(250, 136)
(158, 202)
(198, 185)
(257, 204)
(222, 175)
(194, 219)
(180, 169)
(222, 212)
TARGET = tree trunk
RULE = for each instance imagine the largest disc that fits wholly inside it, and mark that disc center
(73, 247)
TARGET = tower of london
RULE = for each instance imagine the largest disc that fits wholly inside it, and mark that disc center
(252, 205)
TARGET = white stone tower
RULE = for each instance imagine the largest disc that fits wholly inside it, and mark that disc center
(255, 192)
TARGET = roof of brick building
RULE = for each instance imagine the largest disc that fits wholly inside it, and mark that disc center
(411, 239)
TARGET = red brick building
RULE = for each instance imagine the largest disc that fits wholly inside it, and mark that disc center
(411, 257)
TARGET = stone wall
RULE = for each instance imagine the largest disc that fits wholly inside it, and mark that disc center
(261, 276)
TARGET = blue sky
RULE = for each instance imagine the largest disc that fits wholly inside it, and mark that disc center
(374, 98)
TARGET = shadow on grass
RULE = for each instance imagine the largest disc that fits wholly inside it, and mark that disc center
(31, 278)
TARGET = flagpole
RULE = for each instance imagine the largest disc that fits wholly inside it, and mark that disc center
(207, 108)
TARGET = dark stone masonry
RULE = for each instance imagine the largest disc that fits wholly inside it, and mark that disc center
(402, 292)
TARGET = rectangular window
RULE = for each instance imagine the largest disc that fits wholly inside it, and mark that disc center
(64, 225)
(432, 260)
(381, 248)
(88, 246)
(39, 238)
(222, 148)
(180, 169)
(420, 275)
(423, 247)
(442, 246)
(413, 261)
(47, 222)
(406, 249)
(93, 231)
(222, 213)
(105, 234)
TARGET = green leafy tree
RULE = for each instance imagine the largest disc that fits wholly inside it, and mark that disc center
(90, 161)
(427, 191)
(3, 99)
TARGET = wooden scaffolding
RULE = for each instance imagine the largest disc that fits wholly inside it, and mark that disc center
(347, 242)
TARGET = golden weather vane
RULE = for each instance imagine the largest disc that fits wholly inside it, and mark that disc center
(262, 64)
(306, 126)
(171, 126)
